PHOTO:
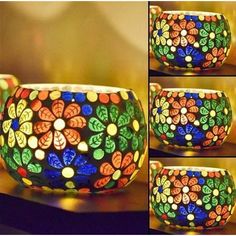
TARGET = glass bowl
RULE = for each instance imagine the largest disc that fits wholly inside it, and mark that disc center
(193, 197)
(191, 118)
(80, 138)
(191, 40)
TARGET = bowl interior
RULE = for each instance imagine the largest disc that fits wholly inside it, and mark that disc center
(74, 88)
(191, 90)
(194, 168)
(192, 13)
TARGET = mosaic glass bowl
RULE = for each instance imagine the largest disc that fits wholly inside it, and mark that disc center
(191, 40)
(191, 118)
(79, 138)
(193, 197)
(7, 85)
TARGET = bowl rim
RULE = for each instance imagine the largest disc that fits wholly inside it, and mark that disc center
(192, 90)
(192, 13)
(75, 88)
(195, 168)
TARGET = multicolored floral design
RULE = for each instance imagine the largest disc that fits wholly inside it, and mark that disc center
(219, 216)
(194, 197)
(161, 111)
(184, 33)
(191, 41)
(185, 190)
(58, 125)
(73, 138)
(162, 189)
(118, 172)
(183, 111)
(161, 34)
(71, 168)
(19, 126)
(191, 215)
(191, 118)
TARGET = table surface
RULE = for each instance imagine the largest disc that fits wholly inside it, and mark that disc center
(157, 149)
(156, 227)
(157, 69)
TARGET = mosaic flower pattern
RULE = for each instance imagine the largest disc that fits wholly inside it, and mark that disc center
(192, 42)
(118, 172)
(193, 197)
(19, 126)
(192, 119)
(73, 141)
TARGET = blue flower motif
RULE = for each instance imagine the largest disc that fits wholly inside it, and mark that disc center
(191, 215)
(189, 57)
(73, 169)
(188, 135)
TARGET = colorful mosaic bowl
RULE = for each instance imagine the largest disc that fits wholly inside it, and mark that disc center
(7, 85)
(193, 197)
(191, 40)
(80, 138)
(191, 118)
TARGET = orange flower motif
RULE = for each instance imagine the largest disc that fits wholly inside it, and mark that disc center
(119, 171)
(58, 125)
(216, 136)
(186, 190)
(219, 216)
(183, 111)
(184, 33)
(215, 58)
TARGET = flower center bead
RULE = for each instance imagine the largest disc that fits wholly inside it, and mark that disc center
(15, 124)
(159, 110)
(188, 137)
(212, 113)
(212, 35)
(68, 172)
(215, 192)
(214, 60)
(215, 138)
(160, 32)
(185, 189)
(59, 124)
(160, 189)
(188, 58)
(190, 217)
(112, 129)
(183, 32)
(22, 172)
(116, 175)
(183, 110)
(136, 125)
(218, 218)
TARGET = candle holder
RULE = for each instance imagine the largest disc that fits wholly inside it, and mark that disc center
(191, 118)
(191, 40)
(193, 197)
(79, 138)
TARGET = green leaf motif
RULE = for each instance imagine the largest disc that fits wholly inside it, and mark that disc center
(109, 145)
(210, 183)
(204, 111)
(126, 132)
(214, 201)
(95, 140)
(102, 113)
(114, 112)
(130, 109)
(203, 33)
(96, 125)
(206, 189)
(135, 143)
(206, 198)
(17, 157)
(11, 163)
(211, 122)
(26, 156)
(203, 41)
(203, 119)
(34, 168)
(123, 143)
(124, 119)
